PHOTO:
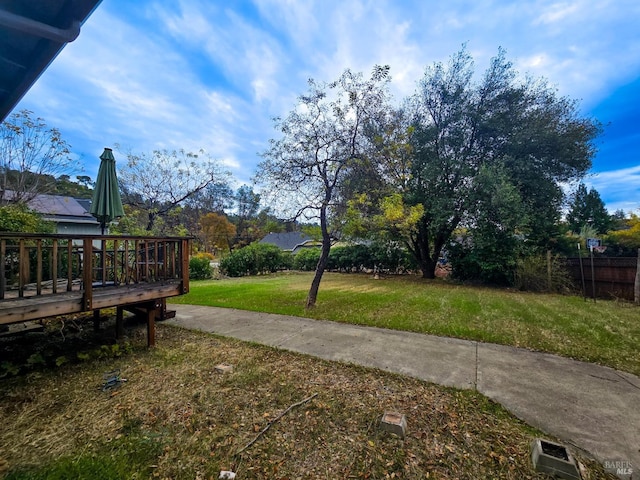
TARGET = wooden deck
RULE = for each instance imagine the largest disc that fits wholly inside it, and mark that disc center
(49, 275)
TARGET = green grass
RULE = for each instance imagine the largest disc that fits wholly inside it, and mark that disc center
(605, 332)
(129, 457)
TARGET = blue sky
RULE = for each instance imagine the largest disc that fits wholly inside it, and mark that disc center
(208, 74)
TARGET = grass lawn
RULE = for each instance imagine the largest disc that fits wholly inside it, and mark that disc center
(605, 332)
(177, 418)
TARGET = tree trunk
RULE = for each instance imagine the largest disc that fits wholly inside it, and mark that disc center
(428, 267)
(151, 220)
(315, 284)
(421, 250)
(322, 262)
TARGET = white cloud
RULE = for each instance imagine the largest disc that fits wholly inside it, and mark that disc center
(620, 187)
(195, 73)
(558, 12)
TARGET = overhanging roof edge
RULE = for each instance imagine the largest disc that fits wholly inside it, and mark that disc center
(49, 51)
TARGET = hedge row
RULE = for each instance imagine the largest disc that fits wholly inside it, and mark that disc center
(254, 259)
(265, 258)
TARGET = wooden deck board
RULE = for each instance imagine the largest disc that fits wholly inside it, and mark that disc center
(18, 310)
(33, 308)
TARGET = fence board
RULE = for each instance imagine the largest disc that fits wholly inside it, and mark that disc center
(614, 277)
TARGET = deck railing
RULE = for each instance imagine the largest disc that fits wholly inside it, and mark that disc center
(35, 265)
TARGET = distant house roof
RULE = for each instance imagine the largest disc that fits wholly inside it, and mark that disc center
(84, 203)
(290, 241)
(58, 208)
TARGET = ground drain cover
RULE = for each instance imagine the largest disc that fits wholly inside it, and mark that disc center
(554, 459)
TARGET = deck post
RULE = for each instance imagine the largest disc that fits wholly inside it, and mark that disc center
(54, 265)
(87, 273)
(151, 325)
(23, 275)
(96, 320)
(3, 255)
(184, 254)
(39, 267)
(119, 323)
(69, 265)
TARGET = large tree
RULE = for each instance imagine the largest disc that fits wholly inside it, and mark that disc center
(247, 208)
(159, 182)
(31, 156)
(217, 232)
(521, 129)
(217, 197)
(321, 139)
(587, 208)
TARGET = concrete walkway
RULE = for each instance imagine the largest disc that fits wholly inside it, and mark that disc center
(594, 408)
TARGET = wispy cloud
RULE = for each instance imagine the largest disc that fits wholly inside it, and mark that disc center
(199, 74)
(620, 187)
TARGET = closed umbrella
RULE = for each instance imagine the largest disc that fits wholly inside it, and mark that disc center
(106, 204)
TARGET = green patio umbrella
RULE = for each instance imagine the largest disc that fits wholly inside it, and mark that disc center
(106, 204)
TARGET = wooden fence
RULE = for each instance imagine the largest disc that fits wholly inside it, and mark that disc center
(612, 277)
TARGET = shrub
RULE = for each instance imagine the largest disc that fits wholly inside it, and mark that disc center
(200, 268)
(533, 275)
(254, 259)
(388, 257)
(306, 259)
(350, 258)
(207, 255)
(391, 257)
(18, 218)
(485, 259)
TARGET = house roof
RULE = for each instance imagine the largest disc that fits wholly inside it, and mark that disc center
(32, 34)
(57, 208)
(287, 240)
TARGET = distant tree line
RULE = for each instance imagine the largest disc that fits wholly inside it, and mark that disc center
(164, 192)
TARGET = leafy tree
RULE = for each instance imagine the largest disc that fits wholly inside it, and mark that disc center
(490, 249)
(217, 232)
(322, 139)
(85, 180)
(18, 218)
(618, 220)
(159, 182)
(374, 192)
(216, 197)
(135, 222)
(587, 208)
(625, 241)
(247, 206)
(523, 129)
(64, 186)
(31, 154)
